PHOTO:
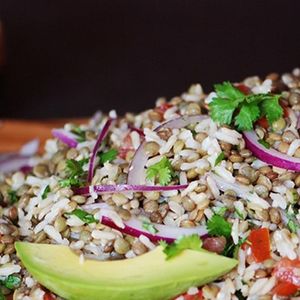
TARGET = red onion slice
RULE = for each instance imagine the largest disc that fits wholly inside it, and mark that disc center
(100, 138)
(270, 156)
(66, 137)
(119, 188)
(136, 174)
(10, 162)
(134, 226)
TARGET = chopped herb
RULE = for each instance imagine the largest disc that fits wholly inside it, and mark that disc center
(264, 143)
(192, 242)
(11, 282)
(80, 133)
(149, 227)
(292, 225)
(46, 192)
(232, 106)
(220, 157)
(75, 173)
(162, 171)
(13, 198)
(108, 156)
(83, 216)
(218, 226)
(231, 249)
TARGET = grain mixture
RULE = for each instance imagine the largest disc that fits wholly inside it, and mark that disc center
(223, 178)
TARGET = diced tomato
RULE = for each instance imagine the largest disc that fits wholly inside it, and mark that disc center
(260, 244)
(198, 296)
(288, 270)
(162, 108)
(126, 146)
(285, 289)
(243, 88)
(48, 296)
(263, 122)
(285, 109)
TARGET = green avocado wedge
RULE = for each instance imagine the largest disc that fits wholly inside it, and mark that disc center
(146, 277)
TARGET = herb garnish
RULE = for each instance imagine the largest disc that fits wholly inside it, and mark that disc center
(75, 173)
(219, 158)
(162, 171)
(232, 106)
(13, 198)
(192, 242)
(46, 192)
(108, 156)
(218, 226)
(83, 216)
(149, 227)
(80, 133)
(264, 143)
(11, 282)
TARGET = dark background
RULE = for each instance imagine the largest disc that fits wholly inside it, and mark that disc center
(70, 58)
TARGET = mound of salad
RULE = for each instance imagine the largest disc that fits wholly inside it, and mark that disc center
(223, 166)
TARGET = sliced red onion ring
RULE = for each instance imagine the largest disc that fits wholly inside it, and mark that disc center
(100, 138)
(270, 156)
(119, 188)
(10, 162)
(134, 226)
(136, 174)
(65, 136)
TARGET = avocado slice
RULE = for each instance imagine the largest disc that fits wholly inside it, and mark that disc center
(146, 277)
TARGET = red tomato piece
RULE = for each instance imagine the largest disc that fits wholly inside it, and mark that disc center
(162, 108)
(285, 109)
(260, 244)
(48, 296)
(263, 122)
(285, 289)
(288, 270)
(243, 88)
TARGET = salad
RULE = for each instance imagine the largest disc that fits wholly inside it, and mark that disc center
(196, 198)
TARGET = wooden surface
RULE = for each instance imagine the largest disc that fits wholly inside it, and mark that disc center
(15, 133)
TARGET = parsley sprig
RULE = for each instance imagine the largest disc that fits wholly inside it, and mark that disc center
(83, 216)
(11, 282)
(232, 107)
(162, 171)
(108, 156)
(192, 242)
(75, 172)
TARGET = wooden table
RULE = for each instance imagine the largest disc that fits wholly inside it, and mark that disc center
(15, 133)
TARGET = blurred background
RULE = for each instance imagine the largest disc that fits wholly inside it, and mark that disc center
(71, 58)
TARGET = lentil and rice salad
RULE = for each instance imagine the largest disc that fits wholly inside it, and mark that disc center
(93, 189)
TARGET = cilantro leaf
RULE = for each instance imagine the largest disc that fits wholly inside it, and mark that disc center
(231, 104)
(162, 171)
(271, 108)
(219, 158)
(218, 226)
(264, 143)
(108, 156)
(149, 227)
(75, 173)
(228, 91)
(221, 110)
(11, 282)
(83, 216)
(13, 198)
(46, 192)
(192, 242)
(80, 133)
(248, 114)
